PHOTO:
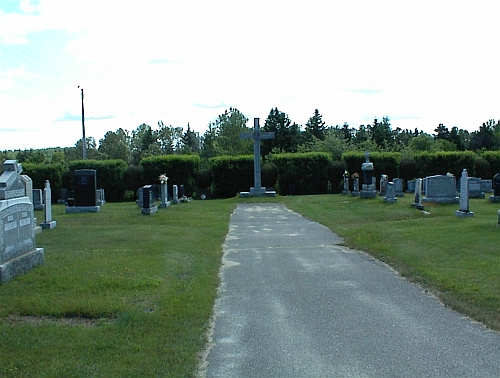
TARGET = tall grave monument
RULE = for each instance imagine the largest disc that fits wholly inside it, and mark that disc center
(257, 190)
(368, 188)
(18, 252)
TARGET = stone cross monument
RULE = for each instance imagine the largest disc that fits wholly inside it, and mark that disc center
(257, 136)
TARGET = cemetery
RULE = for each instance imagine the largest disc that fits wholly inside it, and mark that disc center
(130, 271)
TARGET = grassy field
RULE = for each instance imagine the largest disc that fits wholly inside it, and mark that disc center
(126, 295)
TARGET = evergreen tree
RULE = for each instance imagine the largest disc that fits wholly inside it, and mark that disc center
(287, 137)
(315, 127)
(190, 142)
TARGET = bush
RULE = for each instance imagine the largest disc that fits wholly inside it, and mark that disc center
(482, 168)
(302, 173)
(493, 157)
(336, 171)
(180, 170)
(203, 179)
(407, 168)
(443, 162)
(132, 178)
(231, 175)
(269, 175)
(39, 173)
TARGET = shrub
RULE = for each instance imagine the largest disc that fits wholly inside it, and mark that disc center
(269, 175)
(231, 174)
(180, 170)
(302, 173)
(336, 171)
(482, 168)
(39, 173)
(493, 157)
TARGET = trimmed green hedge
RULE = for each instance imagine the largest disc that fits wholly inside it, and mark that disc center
(180, 170)
(39, 173)
(231, 175)
(384, 163)
(493, 157)
(302, 173)
(109, 176)
(442, 162)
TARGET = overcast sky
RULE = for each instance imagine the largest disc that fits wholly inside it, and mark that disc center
(419, 63)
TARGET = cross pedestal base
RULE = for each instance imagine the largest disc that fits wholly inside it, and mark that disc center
(258, 192)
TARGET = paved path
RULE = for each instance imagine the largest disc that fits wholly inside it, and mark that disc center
(294, 303)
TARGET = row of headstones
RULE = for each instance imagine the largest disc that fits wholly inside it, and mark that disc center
(477, 187)
(149, 194)
(18, 251)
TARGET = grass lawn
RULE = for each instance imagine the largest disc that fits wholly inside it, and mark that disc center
(122, 294)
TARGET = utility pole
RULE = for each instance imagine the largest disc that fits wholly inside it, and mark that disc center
(83, 130)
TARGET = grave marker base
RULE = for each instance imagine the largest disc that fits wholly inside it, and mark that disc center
(258, 192)
(464, 214)
(21, 264)
(82, 209)
(48, 225)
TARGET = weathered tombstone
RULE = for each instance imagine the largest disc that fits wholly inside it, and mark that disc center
(390, 196)
(346, 184)
(464, 197)
(18, 252)
(28, 185)
(48, 223)
(164, 202)
(355, 192)
(496, 189)
(441, 189)
(474, 188)
(85, 183)
(63, 197)
(487, 186)
(99, 197)
(257, 190)
(418, 195)
(148, 201)
(384, 179)
(398, 187)
(368, 186)
(37, 199)
(411, 186)
(175, 195)
(139, 201)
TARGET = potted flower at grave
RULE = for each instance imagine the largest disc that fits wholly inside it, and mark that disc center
(163, 178)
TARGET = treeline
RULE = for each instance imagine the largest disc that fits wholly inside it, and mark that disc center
(300, 159)
(222, 138)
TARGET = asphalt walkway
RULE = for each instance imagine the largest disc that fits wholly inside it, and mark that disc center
(293, 302)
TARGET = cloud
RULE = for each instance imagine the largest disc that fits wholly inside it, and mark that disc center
(78, 117)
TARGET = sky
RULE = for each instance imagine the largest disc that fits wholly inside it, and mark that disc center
(419, 63)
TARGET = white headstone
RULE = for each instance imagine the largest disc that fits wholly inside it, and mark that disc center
(464, 196)
(48, 223)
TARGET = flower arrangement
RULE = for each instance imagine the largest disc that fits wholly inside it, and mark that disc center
(355, 175)
(163, 178)
(346, 174)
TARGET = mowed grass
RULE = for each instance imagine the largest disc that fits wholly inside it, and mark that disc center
(457, 259)
(122, 294)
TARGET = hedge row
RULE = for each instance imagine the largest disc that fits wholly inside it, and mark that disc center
(425, 164)
(225, 176)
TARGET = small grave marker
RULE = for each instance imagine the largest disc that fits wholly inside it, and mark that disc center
(464, 197)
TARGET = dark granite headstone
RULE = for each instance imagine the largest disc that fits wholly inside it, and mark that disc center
(85, 182)
(148, 200)
(496, 185)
